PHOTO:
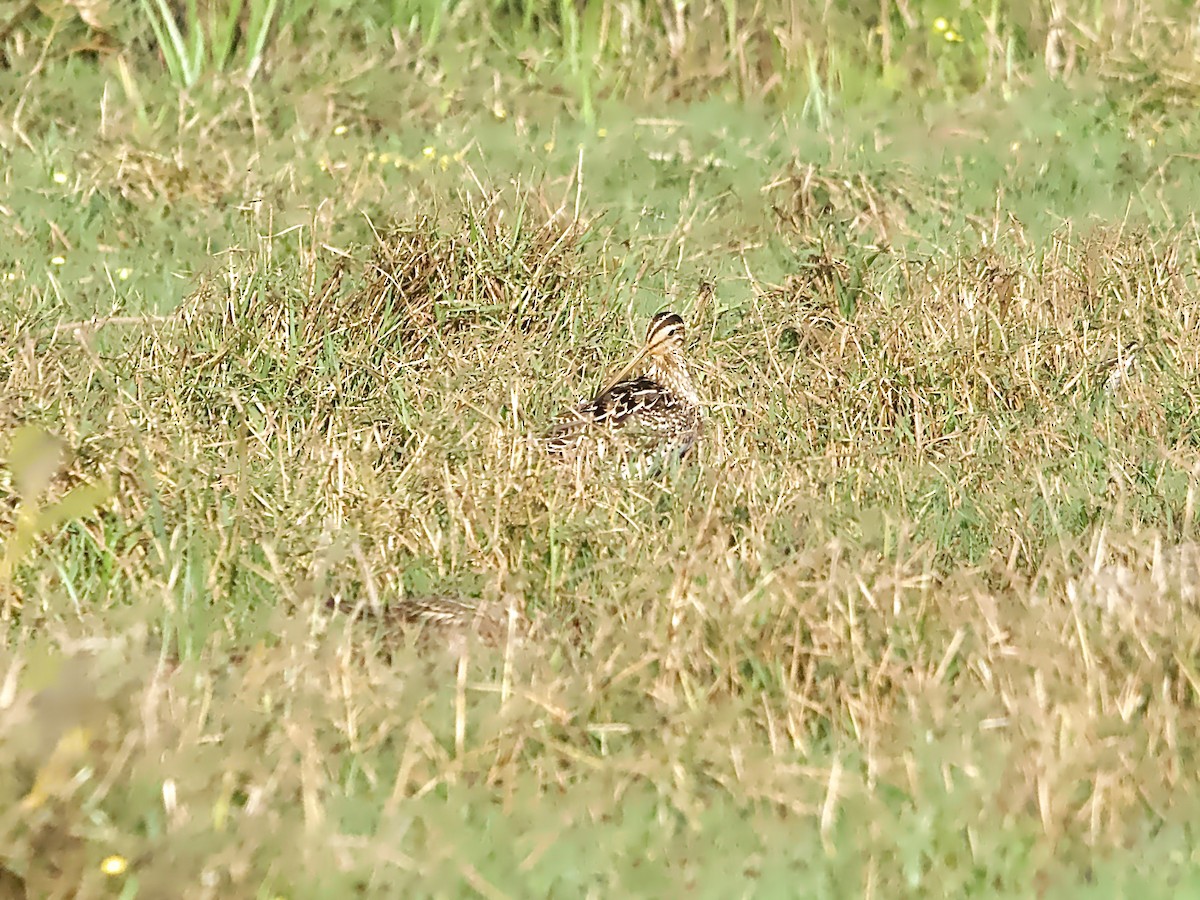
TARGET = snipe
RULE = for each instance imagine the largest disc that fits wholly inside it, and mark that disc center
(648, 412)
(447, 620)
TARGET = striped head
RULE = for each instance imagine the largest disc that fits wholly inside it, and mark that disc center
(664, 349)
(665, 334)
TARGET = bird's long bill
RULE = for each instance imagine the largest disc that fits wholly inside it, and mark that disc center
(648, 348)
(625, 370)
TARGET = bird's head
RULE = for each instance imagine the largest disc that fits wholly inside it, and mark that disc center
(665, 333)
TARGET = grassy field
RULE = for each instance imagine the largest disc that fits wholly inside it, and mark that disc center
(280, 311)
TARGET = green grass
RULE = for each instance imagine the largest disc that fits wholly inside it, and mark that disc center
(918, 621)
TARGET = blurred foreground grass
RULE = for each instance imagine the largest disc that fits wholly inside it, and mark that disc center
(921, 620)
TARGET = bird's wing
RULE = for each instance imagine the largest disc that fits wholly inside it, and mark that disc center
(633, 400)
(613, 407)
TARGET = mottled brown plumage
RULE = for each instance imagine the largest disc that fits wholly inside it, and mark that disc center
(488, 620)
(448, 620)
(642, 417)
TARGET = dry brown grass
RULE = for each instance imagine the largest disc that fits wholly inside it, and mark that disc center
(919, 618)
(931, 553)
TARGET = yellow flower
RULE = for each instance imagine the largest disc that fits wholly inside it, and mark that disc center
(114, 865)
(548, 146)
(940, 24)
(385, 158)
(60, 177)
(429, 153)
(601, 132)
(953, 37)
(123, 273)
(444, 162)
(499, 111)
(58, 261)
(340, 130)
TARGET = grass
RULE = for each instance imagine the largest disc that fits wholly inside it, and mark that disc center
(919, 620)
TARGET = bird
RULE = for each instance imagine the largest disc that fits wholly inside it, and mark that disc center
(445, 619)
(445, 613)
(647, 413)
